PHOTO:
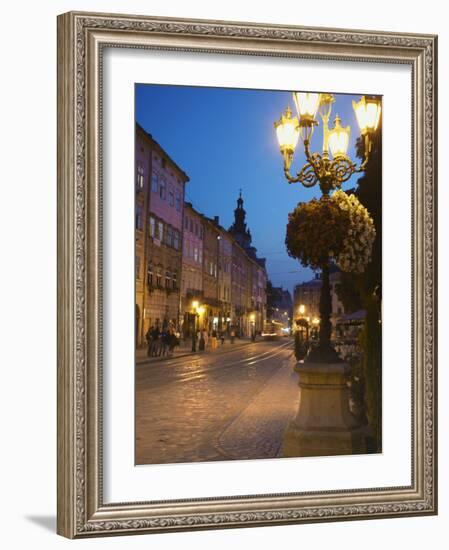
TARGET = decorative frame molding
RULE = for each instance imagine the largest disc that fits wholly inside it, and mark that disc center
(81, 39)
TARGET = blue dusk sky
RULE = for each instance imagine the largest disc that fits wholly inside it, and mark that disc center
(224, 139)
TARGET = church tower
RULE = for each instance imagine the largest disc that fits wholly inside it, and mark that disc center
(238, 229)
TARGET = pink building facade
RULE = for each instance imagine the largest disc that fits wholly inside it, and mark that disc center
(159, 227)
(192, 264)
(184, 259)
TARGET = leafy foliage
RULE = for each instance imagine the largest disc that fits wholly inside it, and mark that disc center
(354, 290)
(364, 291)
(315, 231)
(371, 340)
(358, 244)
(336, 227)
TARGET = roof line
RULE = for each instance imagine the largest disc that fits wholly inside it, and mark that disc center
(161, 150)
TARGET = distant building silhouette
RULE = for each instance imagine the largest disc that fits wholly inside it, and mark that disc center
(281, 305)
(308, 294)
(242, 233)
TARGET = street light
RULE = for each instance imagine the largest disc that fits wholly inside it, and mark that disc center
(287, 131)
(339, 139)
(302, 309)
(329, 169)
(320, 168)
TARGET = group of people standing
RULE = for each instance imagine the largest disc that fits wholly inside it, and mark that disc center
(209, 340)
(161, 343)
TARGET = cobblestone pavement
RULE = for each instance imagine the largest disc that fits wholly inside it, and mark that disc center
(229, 406)
(185, 348)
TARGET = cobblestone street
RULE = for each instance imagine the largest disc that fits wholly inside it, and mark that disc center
(231, 405)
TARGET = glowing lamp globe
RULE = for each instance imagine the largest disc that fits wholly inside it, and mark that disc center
(367, 112)
(287, 131)
(339, 139)
(307, 106)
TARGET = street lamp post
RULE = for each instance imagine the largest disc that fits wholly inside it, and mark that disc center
(329, 169)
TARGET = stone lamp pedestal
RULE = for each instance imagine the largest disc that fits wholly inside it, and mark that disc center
(324, 424)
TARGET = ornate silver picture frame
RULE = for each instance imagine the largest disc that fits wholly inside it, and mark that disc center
(82, 41)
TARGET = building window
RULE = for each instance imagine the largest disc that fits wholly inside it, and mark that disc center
(150, 275)
(195, 254)
(201, 232)
(169, 236)
(139, 176)
(163, 188)
(176, 239)
(154, 182)
(175, 281)
(139, 217)
(186, 223)
(171, 197)
(160, 231)
(164, 163)
(196, 229)
(152, 227)
(191, 225)
(137, 267)
(200, 256)
(167, 279)
(178, 201)
(159, 276)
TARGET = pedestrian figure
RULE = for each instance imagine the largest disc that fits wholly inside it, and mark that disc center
(165, 339)
(154, 342)
(206, 339)
(202, 342)
(149, 338)
(222, 338)
(172, 341)
(214, 339)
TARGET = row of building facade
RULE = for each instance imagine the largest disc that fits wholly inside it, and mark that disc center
(191, 273)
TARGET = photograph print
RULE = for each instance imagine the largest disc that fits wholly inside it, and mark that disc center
(258, 274)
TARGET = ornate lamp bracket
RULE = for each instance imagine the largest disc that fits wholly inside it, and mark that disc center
(330, 174)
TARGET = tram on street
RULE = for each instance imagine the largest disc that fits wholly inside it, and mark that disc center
(273, 330)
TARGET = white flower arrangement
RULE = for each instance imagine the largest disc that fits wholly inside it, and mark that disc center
(357, 247)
